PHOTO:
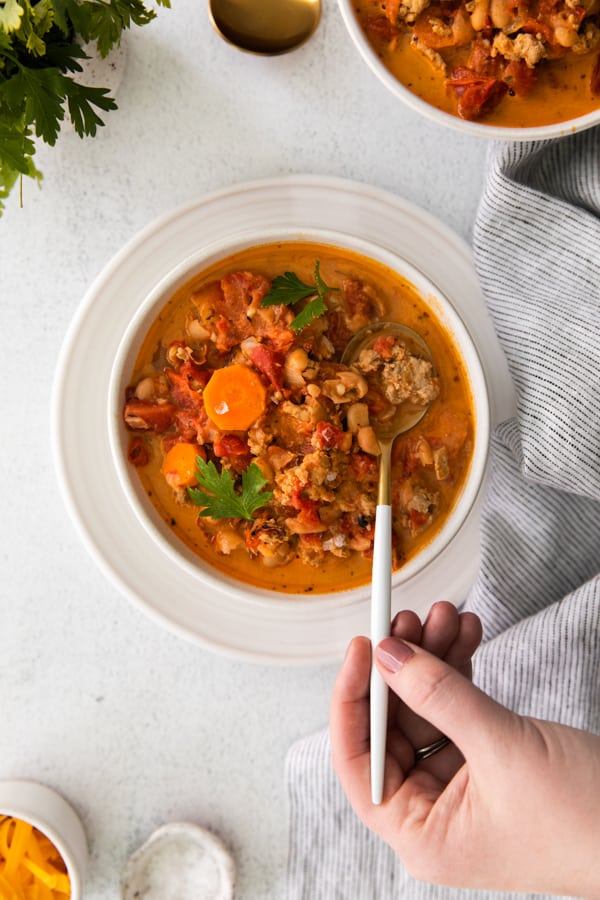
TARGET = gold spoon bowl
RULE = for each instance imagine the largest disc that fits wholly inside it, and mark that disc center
(407, 414)
(265, 27)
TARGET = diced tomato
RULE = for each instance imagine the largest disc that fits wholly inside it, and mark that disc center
(269, 362)
(380, 28)
(242, 293)
(187, 382)
(141, 415)
(308, 510)
(240, 314)
(230, 445)
(384, 345)
(519, 77)
(481, 60)
(138, 452)
(477, 95)
(462, 77)
(328, 436)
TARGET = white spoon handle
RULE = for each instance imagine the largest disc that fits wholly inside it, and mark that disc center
(381, 591)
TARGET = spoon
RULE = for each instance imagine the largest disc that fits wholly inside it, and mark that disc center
(405, 417)
(267, 27)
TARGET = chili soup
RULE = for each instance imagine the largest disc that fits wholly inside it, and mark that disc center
(504, 63)
(254, 442)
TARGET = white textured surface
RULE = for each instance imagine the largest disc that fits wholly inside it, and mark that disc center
(134, 726)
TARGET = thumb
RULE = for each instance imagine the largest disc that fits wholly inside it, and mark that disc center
(441, 695)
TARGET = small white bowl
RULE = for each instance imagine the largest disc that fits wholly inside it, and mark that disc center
(479, 129)
(122, 368)
(50, 813)
(181, 861)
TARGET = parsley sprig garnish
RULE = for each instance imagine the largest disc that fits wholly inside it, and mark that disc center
(288, 289)
(218, 497)
(39, 58)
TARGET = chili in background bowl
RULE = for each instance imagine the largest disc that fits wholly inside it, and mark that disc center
(207, 576)
(481, 92)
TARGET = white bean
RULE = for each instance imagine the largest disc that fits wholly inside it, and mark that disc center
(367, 441)
(357, 416)
(501, 13)
(145, 389)
(295, 363)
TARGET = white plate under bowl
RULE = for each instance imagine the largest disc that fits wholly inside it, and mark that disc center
(242, 623)
(148, 517)
(479, 129)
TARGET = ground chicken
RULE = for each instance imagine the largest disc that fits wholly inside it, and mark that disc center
(524, 46)
(402, 376)
(405, 10)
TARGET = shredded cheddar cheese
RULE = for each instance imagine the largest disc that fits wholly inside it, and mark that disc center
(31, 868)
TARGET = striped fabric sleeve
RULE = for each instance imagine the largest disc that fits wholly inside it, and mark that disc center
(536, 246)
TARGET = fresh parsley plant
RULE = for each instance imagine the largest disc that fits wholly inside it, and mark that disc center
(218, 497)
(40, 50)
(288, 289)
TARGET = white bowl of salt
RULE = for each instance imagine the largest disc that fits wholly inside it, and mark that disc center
(180, 861)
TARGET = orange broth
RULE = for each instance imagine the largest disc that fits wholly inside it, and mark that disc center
(562, 91)
(402, 303)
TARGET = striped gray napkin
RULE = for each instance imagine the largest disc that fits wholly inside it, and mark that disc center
(537, 252)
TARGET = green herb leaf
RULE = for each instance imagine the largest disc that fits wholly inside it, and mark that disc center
(40, 44)
(311, 311)
(288, 289)
(65, 56)
(16, 148)
(109, 20)
(10, 15)
(81, 99)
(44, 91)
(16, 151)
(217, 495)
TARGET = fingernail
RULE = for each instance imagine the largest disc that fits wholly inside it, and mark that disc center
(392, 653)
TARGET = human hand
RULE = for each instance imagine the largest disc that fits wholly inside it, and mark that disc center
(451, 636)
(520, 813)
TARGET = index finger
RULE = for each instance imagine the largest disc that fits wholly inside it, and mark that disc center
(349, 723)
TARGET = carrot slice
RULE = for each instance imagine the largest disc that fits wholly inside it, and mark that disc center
(179, 465)
(234, 397)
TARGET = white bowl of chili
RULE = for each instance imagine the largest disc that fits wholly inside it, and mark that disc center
(484, 67)
(42, 843)
(263, 487)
